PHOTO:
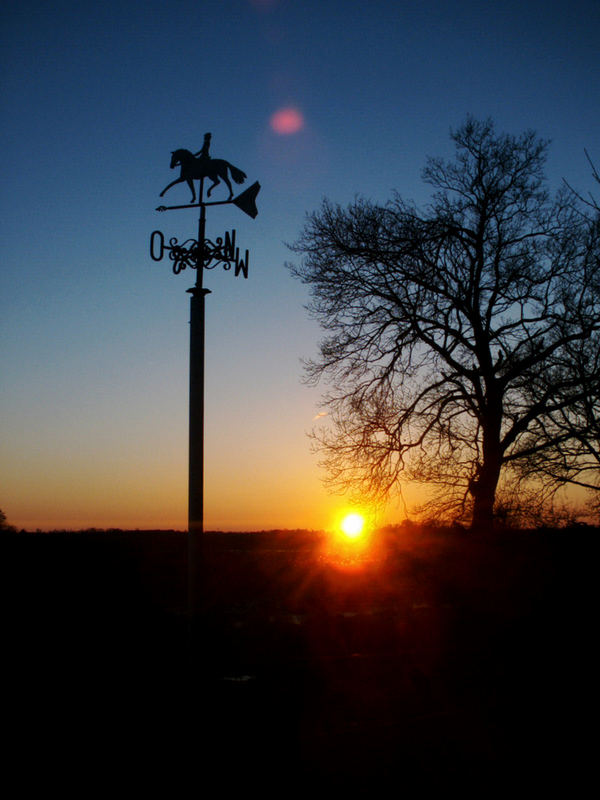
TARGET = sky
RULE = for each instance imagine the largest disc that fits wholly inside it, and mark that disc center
(314, 99)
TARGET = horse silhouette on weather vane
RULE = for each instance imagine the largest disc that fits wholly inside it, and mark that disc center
(195, 166)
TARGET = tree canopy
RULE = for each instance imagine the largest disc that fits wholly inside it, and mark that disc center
(460, 336)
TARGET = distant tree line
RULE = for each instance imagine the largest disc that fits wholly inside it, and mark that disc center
(4, 526)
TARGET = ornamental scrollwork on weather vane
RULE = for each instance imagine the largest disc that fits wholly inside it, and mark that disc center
(222, 251)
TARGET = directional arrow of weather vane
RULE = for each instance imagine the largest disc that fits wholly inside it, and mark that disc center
(201, 254)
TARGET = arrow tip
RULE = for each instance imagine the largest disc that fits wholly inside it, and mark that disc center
(246, 201)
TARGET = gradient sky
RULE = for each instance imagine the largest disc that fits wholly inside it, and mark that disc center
(94, 335)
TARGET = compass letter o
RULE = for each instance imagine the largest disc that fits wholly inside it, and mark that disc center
(153, 246)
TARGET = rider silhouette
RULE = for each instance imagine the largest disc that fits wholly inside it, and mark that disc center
(203, 154)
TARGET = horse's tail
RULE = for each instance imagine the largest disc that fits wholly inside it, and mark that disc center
(237, 174)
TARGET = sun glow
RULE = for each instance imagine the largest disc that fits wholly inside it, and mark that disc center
(353, 525)
(349, 546)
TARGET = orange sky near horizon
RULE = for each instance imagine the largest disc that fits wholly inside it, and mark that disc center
(291, 500)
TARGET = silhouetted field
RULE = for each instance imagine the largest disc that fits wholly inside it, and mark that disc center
(435, 658)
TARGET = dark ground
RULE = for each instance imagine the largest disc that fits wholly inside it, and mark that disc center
(440, 660)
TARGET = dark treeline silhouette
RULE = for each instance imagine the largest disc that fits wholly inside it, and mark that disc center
(434, 658)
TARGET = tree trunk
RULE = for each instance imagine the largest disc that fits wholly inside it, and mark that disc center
(484, 495)
(484, 487)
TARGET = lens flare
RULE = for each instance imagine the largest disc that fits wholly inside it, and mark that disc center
(352, 525)
(287, 121)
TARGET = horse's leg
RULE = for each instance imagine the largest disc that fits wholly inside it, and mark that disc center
(166, 189)
(190, 183)
(214, 183)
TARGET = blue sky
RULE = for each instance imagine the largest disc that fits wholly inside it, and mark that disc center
(94, 335)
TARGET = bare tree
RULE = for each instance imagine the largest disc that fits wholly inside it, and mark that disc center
(573, 427)
(450, 330)
(590, 201)
(4, 526)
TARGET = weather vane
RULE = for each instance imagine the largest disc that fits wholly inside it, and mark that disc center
(201, 254)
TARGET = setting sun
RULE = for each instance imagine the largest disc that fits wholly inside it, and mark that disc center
(352, 525)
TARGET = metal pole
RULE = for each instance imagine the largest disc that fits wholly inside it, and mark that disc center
(202, 254)
(196, 412)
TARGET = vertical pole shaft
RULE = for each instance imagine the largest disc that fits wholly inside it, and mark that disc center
(196, 432)
(196, 423)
